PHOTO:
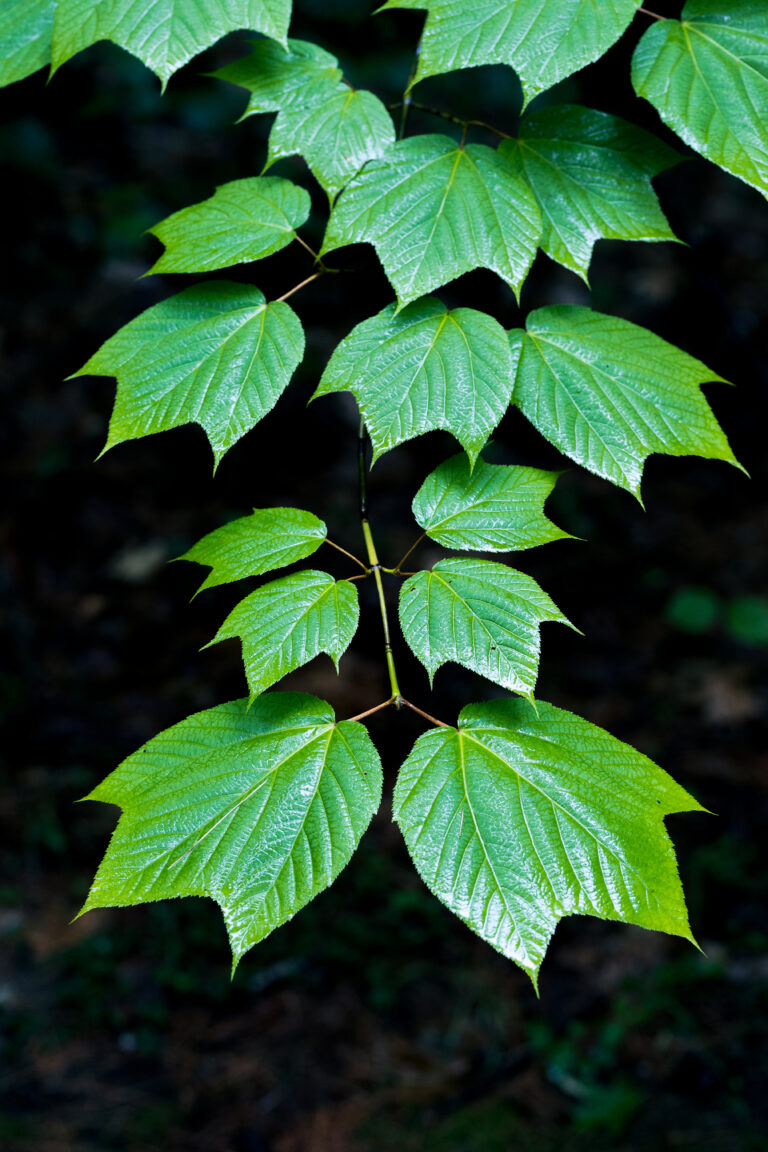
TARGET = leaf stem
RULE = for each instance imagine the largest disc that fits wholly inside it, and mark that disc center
(359, 563)
(655, 15)
(373, 561)
(458, 119)
(309, 249)
(413, 547)
(370, 711)
(407, 101)
(425, 715)
(303, 284)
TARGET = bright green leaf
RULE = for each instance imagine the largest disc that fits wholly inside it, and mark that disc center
(484, 616)
(543, 40)
(26, 28)
(591, 176)
(163, 34)
(491, 508)
(335, 127)
(267, 539)
(257, 807)
(516, 819)
(707, 77)
(425, 368)
(217, 355)
(243, 220)
(608, 393)
(433, 211)
(288, 622)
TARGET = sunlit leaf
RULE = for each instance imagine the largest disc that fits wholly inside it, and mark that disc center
(26, 29)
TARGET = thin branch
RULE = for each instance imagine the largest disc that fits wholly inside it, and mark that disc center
(413, 547)
(359, 563)
(370, 711)
(422, 713)
(303, 284)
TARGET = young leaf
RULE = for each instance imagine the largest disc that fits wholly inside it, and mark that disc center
(482, 615)
(434, 210)
(608, 393)
(288, 622)
(543, 40)
(335, 127)
(243, 220)
(491, 508)
(707, 77)
(217, 355)
(591, 176)
(516, 819)
(257, 807)
(164, 34)
(425, 368)
(267, 539)
(26, 29)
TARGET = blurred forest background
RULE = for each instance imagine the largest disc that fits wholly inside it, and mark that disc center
(374, 1022)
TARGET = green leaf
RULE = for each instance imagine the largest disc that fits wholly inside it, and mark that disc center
(257, 807)
(608, 393)
(26, 29)
(591, 176)
(163, 34)
(288, 622)
(267, 539)
(425, 368)
(543, 40)
(707, 77)
(335, 127)
(243, 220)
(433, 211)
(217, 355)
(516, 819)
(482, 615)
(488, 508)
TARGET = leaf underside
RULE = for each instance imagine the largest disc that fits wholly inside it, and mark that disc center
(608, 393)
(257, 807)
(482, 615)
(289, 621)
(707, 77)
(516, 819)
(216, 355)
(425, 368)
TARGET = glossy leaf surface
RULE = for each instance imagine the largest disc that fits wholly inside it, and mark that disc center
(433, 211)
(515, 820)
(591, 176)
(288, 622)
(243, 220)
(257, 807)
(26, 29)
(482, 615)
(608, 393)
(425, 368)
(267, 539)
(543, 40)
(707, 76)
(491, 508)
(164, 34)
(335, 128)
(217, 355)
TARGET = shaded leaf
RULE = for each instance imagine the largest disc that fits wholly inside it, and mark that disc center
(163, 34)
(425, 368)
(543, 40)
(217, 355)
(515, 820)
(267, 539)
(26, 30)
(482, 615)
(288, 622)
(608, 393)
(243, 220)
(335, 127)
(433, 211)
(707, 77)
(257, 807)
(491, 508)
(591, 176)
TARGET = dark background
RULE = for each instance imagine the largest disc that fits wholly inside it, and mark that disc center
(375, 1020)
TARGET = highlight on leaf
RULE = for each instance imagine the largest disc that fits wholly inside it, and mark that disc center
(26, 34)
